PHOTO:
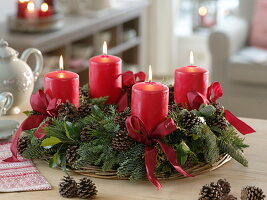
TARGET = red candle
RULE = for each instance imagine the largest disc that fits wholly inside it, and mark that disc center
(150, 103)
(105, 76)
(31, 12)
(190, 78)
(45, 10)
(22, 8)
(63, 85)
(202, 12)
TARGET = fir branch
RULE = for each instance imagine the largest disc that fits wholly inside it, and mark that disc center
(231, 136)
(88, 154)
(37, 152)
(234, 152)
(211, 154)
(56, 129)
(133, 165)
(65, 131)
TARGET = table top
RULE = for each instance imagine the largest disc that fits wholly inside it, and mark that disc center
(185, 189)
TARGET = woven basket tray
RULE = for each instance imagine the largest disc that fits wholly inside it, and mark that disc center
(97, 172)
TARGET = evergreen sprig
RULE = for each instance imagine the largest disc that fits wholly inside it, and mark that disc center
(133, 165)
(202, 143)
(233, 151)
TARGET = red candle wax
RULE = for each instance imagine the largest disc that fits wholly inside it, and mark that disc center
(45, 10)
(105, 77)
(150, 103)
(22, 8)
(63, 85)
(187, 79)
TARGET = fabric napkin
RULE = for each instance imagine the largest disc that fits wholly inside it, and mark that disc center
(19, 176)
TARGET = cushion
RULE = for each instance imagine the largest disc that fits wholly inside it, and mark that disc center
(259, 25)
(248, 66)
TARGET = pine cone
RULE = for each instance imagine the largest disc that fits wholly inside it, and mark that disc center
(122, 141)
(252, 193)
(84, 110)
(219, 108)
(171, 95)
(84, 92)
(175, 107)
(85, 133)
(68, 187)
(71, 154)
(229, 197)
(219, 122)
(67, 111)
(86, 189)
(211, 192)
(189, 120)
(225, 186)
(219, 119)
(22, 144)
(120, 119)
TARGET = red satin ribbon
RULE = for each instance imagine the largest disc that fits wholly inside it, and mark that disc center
(128, 80)
(137, 131)
(47, 107)
(215, 92)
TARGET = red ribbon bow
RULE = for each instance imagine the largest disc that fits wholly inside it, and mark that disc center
(47, 107)
(195, 99)
(128, 80)
(137, 131)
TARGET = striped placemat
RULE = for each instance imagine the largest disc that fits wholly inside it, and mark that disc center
(19, 176)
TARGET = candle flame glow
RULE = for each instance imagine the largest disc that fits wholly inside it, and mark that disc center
(44, 7)
(191, 58)
(61, 65)
(202, 11)
(30, 6)
(150, 73)
(105, 48)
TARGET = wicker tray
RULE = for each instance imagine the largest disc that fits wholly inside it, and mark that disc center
(97, 172)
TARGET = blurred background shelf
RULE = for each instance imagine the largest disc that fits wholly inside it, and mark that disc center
(82, 37)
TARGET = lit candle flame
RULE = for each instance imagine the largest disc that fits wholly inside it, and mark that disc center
(61, 66)
(191, 58)
(44, 7)
(105, 48)
(30, 6)
(202, 11)
(150, 74)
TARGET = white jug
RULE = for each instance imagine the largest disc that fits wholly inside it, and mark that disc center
(16, 76)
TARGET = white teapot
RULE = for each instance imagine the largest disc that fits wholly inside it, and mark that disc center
(16, 76)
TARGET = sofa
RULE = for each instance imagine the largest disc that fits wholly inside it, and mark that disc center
(240, 68)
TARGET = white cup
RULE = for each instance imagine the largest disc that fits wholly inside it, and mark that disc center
(6, 101)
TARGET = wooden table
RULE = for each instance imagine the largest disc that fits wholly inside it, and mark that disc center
(185, 189)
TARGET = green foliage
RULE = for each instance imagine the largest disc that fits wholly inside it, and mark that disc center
(27, 113)
(182, 152)
(231, 136)
(233, 151)
(207, 110)
(133, 165)
(51, 141)
(64, 131)
(100, 155)
(199, 144)
(211, 153)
